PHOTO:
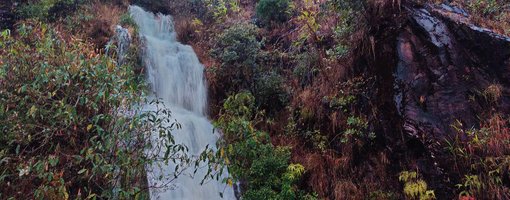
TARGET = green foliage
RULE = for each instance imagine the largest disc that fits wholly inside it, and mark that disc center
(238, 45)
(481, 158)
(486, 7)
(46, 9)
(270, 11)
(220, 8)
(415, 187)
(270, 93)
(470, 186)
(127, 20)
(69, 124)
(319, 140)
(338, 51)
(379, 194)
(347, 12)
(237, 48)
(263, 170)
(309, 24)
(342, 102)
(306, 67)
(357, 129)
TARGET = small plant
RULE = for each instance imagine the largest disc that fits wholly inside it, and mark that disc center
(471, 186)
(382, 195)
(220, 8)
(338, 51)
(342, 102)
(127, 20)
(357, 129)
(319, 140)
(415, 187)
(493, 93)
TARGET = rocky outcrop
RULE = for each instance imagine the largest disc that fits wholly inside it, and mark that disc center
(433, 68)
(448, 71)
(123, 40)
(444, 64)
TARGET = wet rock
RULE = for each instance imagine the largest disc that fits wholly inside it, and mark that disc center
(443, 62)
(123, 40)
(453, 9)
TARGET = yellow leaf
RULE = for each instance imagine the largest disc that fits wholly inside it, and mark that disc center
(66, 195)
(32, 111)
(229, 182)
(89, 127)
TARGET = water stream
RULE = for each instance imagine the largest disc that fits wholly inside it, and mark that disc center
(176, 76)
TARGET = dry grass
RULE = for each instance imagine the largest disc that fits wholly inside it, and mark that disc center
(346, 189)
(493, 93)
(100, 27)
(498, 140)
(495, 17)
(485, 153)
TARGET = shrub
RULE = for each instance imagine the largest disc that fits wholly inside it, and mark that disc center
(219, 9)
(237, 48)
(69, 124)
(270, 11)
(415, 187)
(270, 93)
(238, 45)
(127, 20)
(357, 131)
(263, 170)
(47, 9)
(306, 67)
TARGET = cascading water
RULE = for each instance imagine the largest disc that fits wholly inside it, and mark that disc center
(176, 76)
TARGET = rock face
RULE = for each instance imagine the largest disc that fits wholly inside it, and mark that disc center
(6, 15)
(445, 64)
(448, 71)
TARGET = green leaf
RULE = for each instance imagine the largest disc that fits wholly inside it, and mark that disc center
(32, 111)
(82, 171)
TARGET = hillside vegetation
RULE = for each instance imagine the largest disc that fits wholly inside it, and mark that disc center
(302, 92)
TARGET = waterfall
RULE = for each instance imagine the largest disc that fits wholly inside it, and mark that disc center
(177, 77)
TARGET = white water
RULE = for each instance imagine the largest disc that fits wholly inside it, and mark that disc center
(176, 76)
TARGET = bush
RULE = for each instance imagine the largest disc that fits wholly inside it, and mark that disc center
(306, 67)
(47, 9)
(270, 93)
(237, 48)
(238, 45)
(219, 9)
(263, 170)
(270, 11)
(69, 124)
